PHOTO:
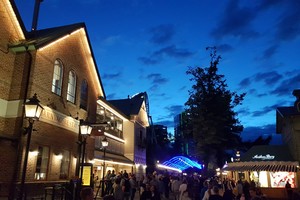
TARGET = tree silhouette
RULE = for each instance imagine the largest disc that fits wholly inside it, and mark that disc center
(212, 120)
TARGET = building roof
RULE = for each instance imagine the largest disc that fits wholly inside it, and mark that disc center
(43, 37)
(16, 11)
(283, 113)
(129, 106)
(287, 111)
(40, 38)
(267, 153)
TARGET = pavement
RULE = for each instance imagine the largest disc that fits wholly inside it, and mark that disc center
(137, 197)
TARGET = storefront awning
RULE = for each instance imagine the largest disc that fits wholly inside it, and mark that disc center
(259, 166)
(114, 158)
(265, 158)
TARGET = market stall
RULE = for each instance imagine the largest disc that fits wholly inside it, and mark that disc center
(268, 166)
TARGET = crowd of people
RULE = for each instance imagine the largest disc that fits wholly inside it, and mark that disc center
(125, 186)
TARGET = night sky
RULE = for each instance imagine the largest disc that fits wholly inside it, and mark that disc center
(148, 45)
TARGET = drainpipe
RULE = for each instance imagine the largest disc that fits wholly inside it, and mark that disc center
(19, 145)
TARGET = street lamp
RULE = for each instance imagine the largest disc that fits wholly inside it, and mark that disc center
(33, 110)
(104, 145)
(85, 131)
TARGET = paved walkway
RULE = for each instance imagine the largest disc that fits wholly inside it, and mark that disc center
(137, 197)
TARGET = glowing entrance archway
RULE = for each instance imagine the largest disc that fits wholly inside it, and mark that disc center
(180, 163)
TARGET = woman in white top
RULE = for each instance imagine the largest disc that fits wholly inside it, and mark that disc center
(182, 188)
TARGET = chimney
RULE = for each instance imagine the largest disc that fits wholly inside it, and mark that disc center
(296, 93)
(35, 14)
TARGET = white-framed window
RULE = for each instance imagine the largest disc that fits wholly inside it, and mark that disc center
(57, 77)
(84, 95)
(71, 87)
(41, 163)
(64, 165)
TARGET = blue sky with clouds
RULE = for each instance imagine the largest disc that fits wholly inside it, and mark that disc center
(148, 45)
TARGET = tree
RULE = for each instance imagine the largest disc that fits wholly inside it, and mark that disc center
(214, 124)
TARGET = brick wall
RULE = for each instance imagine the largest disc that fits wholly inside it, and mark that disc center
(14, 68)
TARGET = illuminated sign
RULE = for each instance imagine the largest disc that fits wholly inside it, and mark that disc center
(266, 157)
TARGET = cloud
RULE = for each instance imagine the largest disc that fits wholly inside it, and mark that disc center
(171, 112)
(111, 76)
(235, 22)
(269, 52)
(245, 82)
(169, 51)
(265, 110)
(287, 86)
(149, 60)
(111, 40)
(157, 78)
(252, 133)
(288, 27)
(269, 78)
(162, 33)
(153, 87)
(168, 123)
(183, 88)
(174, 110)
(173, 51)
(224, 47)
(243, 111)
(111, 96)
(266, 4)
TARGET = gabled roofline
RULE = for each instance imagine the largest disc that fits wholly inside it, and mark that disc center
(18, 16)
(94, 60)
(41, 38)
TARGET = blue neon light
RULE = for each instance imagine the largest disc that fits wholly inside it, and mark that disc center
(182, 163)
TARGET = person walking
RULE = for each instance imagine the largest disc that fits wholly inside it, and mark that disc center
(125, 186)
(175, 187)
(133, 186)
(166, 181)
(117, 189)
(182, 188)
(239, 187)
(215, 194)
(289, 190)
(154, 193)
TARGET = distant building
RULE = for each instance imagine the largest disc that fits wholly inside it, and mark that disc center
(136, 110)
(161, 134)
(288, 125)
(183, 137)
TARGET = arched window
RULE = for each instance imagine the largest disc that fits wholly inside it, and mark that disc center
(71, 87)
(57, 77)
(84, 95)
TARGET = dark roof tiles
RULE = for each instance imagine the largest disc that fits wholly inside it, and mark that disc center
(129, 106)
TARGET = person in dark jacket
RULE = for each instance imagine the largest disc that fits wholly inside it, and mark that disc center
(154, 193)
(215, 194)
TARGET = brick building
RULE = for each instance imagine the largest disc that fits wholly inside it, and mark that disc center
(58, 65)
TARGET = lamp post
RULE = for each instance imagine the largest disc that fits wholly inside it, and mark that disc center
(33, 110)
(104, 145)
(85, 131)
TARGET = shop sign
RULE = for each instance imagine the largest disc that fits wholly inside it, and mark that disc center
(263, 157)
